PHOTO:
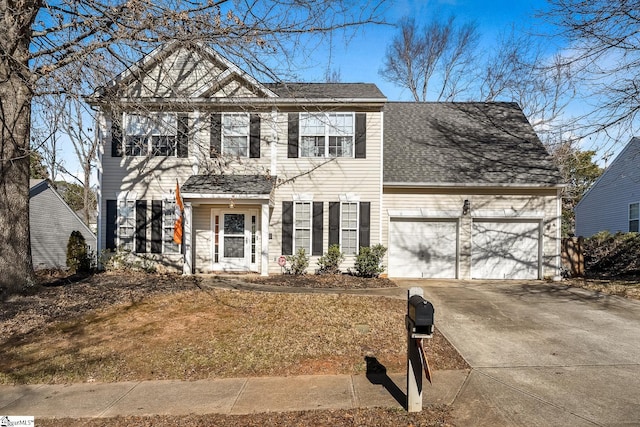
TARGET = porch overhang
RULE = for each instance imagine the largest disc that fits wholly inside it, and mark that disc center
(227, 188)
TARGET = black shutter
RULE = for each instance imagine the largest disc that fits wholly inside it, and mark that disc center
(254, 136)
(292, 145)
(215, 136)
(156, 226)
(112, 217)
(183, 135)
(287, 228)
(365, 220)
(334, 223)
(361, 135)
(116, 136)
(316, 238)
(141, 226)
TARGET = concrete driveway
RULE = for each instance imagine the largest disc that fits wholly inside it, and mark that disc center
(542, 354)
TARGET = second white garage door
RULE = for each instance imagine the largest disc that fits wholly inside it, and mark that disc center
(423, 248)
(505, 249)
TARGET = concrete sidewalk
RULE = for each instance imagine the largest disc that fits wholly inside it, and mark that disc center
(223, 396)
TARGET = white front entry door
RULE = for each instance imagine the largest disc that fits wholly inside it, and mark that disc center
(236, 240)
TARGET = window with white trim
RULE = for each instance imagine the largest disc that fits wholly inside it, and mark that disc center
(634, 217)
(302, 226)
(154, 133)
(235, 135)
(326, 134)
(126, 224)
(169, 216)
(349, 228)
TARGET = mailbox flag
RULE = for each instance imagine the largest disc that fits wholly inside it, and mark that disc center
(177, 226)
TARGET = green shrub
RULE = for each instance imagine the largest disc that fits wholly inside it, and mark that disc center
(78, 259)
(299, 262)
(329, 263)
(369, 261)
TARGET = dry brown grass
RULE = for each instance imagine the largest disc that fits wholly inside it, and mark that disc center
(196, 334)
(623, 288)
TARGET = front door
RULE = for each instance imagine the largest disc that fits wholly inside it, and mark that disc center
(236, 240)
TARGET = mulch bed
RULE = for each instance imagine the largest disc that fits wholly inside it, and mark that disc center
(325, 281)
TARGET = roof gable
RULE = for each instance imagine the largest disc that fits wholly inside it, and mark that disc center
(182, 70)
(447, 144)
(624, 166)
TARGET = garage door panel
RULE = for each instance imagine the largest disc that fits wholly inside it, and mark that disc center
(505, 250)
(423, 249)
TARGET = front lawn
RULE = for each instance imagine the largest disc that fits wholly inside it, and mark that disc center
(127, 327)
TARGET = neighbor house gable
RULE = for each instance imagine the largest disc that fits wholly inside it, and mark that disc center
(51, 222)
(605, 206)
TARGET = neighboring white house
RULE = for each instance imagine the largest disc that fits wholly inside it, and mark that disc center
(461, 190)
(51, 222)
(613, 201)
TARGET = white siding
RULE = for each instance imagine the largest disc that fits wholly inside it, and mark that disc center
(606, 205)
(326, 180)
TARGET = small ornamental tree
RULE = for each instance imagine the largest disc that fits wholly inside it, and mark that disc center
(369, 261)
(77, 253)
(329, 263)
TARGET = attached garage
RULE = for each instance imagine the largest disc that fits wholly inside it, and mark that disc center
(505, 249)
(423, 248)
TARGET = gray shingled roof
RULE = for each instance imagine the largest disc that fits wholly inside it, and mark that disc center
(463, 143)
(228, 184)
(326, 90)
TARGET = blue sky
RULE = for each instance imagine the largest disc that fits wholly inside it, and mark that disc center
(361, 59)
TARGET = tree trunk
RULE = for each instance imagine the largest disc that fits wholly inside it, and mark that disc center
(16, 268)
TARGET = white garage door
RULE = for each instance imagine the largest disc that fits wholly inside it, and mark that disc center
(505, 249)
(423, 248)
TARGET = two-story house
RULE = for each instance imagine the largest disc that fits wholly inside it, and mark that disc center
(264, 169)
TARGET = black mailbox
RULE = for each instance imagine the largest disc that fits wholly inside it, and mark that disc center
(420, 315)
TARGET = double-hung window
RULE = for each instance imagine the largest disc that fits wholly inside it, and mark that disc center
(349, 228)
(634, 217)
(302, 226)
(168, 221)
(126, 224)
(235, 135)
(155, 133)
(326, 134)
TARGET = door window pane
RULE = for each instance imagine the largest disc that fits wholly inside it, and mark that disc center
(234, 223)
(234, 247)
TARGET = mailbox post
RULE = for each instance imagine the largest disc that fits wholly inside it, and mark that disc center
(419, 322)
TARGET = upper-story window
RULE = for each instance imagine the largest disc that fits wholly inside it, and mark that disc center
(235, 135)
(326, 134)
(634, 217)
(154, 133)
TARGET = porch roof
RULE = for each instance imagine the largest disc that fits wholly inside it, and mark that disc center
(248, 186)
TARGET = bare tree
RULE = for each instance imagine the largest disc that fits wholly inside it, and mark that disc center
(604, 51)
(440, 53)
(45, 42)
(518, 70)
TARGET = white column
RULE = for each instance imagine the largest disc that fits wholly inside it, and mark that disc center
(264, 250)
(187, 267)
